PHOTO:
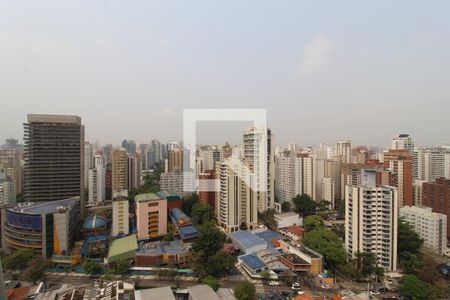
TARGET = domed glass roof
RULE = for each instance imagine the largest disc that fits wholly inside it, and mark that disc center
(94, 222)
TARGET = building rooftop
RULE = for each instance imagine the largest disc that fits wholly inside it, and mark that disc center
(269, 236)
(94, 222)
(225, 294)
(179, 217)
(122, 248)
(147, 197)
(253, 261)
(188, 232)
(42, 118)
(162, 247)
(285, 215)
(37, 208)
(160, 293)
(202, 292)
(247, 239)
(294, 259)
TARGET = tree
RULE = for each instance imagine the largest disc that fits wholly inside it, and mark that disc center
(120, 267)
(91, 267)
(35, 269)
(265, 276)
(18, 260)
(304, 205)
(201, 213)
(339, 229)
(219, 263)
(212, 282)
(286, 206)
(209, 242)
(268, 218)
(327, 243)
(339, 206)
(312, 222)
(168, 237)
(245, 291)
(412, 287)
(408, 240)
(188, 203)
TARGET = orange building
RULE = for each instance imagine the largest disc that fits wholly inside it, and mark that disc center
(399, 165)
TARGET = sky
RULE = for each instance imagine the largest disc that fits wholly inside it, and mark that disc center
(324, 70)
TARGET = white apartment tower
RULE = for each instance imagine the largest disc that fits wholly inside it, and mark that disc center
(288, 178)
(430, 226)
(237, 203)
(258, 145)
(96, 177)
(371, 220)
(403, 141)
(327, 190)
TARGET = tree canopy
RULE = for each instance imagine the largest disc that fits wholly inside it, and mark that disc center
(209, 242)
(327, 243)
(412, 287)
(188, 203)
(212, 282)
(286, 206)
(268, 219)
(304, 205)
(408, 240)
(18, 260)
(201, 213)
(35, 269)
(245, 291)
(312, 222)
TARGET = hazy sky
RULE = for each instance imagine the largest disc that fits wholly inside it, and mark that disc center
(325, 70)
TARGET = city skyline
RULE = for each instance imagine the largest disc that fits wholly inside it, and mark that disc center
(325, 73)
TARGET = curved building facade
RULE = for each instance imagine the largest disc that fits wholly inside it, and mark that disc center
(46, 228)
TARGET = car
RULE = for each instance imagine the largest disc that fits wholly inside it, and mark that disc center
(295, 286)
(299, 292)
(274, 283)
(374, 293)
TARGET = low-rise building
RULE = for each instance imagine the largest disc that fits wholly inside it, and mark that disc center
(183, 224)
(313, 258)
(163, 253)
(122, 249)
(247, 242)
(120, 214)
(288, 219)
(47, 228)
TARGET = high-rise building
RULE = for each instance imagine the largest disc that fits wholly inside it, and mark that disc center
(207, 194)
(119, 170)
(210, 157)
(237, 202)
(327, 191)
(151, 216)
(107, 153)
(399, 165)
(54, 158)
(371, 220)
(431, 226)
(120, 213)
(88, 162)
(7, 192)
(288, 177)
(175, 160)
(437, 196)
(403, 142)
(343, 150)
(97, 191)
(255, 139)
(417, 191)
(12, 166)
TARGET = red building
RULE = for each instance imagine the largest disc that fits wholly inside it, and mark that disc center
(437, 196)
(206, 194)
(399, 165)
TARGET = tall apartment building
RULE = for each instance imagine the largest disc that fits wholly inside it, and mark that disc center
(119, 170)
(288, 177)
(371, 220)
(12, 166)
(403, 142)
(399, 165)
(343, 149)
(180, 184)
(175, 161)
(417, 191)
(437, 196)
(209, 157)
(151, 216)
(133, 172)
(120, 214)
(7, 192)
(89, 152)
(54, 158)
(327, 190)
(97, 177)
(258, 145)
(107, 153)
(237, 202)
(207, 194)
(431, 227)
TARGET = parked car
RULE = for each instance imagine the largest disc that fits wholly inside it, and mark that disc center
(295, 286)
(274, 283)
